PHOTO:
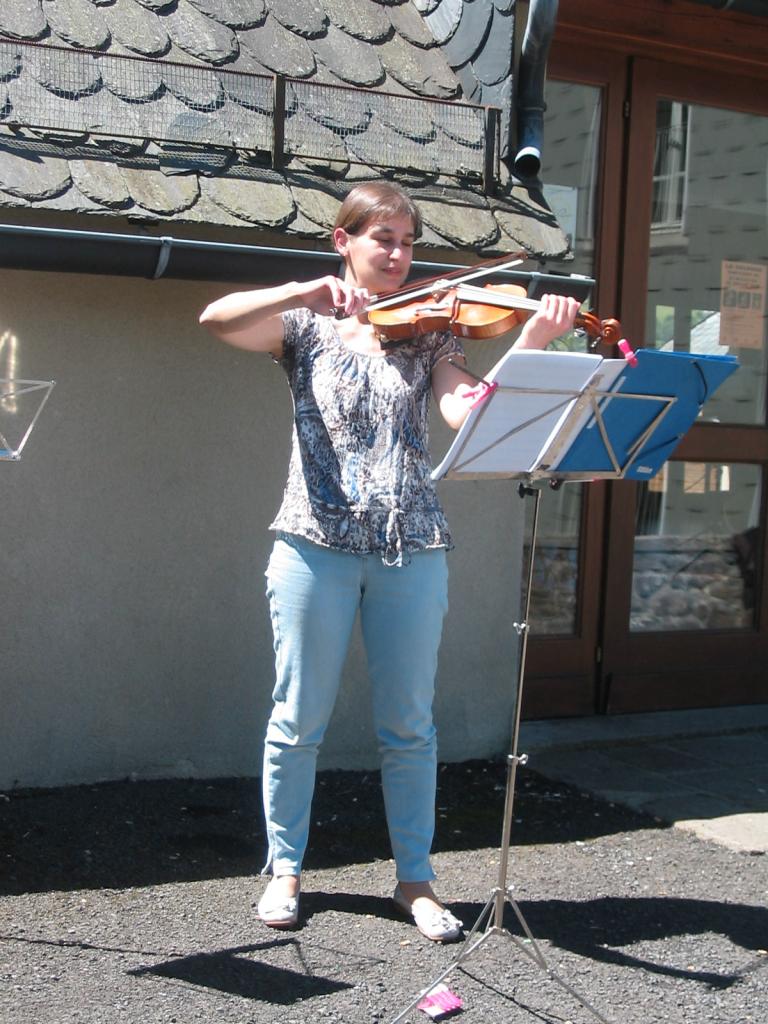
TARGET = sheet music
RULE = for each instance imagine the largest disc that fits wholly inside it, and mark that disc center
(512, 430)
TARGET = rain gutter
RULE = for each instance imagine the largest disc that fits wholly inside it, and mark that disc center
(26, 247)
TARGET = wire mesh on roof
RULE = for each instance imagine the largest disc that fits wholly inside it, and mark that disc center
(61, 89)
(385, 129)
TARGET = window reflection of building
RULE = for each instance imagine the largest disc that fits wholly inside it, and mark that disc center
(670, 165)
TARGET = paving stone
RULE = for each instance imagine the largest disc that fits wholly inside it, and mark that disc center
(747, 788)
(660, 757)
(686, 804)
(738, 749)
(747, 832)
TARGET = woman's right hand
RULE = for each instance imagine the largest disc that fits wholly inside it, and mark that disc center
(329, 296)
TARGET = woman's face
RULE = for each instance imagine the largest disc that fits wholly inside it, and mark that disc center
(378, 257)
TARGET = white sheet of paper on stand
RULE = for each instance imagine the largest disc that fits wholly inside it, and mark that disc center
(514, 429)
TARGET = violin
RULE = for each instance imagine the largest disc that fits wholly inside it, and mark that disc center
(467, 310)
(472, 312)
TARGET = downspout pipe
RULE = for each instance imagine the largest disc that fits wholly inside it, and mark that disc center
(27, 247)
(531, 76)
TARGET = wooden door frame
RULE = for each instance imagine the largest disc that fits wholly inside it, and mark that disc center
(645, 671)
(562, 671)
(720, 50)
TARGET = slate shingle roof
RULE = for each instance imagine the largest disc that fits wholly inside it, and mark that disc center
(170, 117)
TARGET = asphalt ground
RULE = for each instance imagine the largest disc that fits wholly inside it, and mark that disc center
(135, 902)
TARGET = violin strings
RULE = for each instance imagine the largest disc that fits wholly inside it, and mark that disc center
(458, 277)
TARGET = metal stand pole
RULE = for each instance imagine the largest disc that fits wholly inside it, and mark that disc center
(491, 920)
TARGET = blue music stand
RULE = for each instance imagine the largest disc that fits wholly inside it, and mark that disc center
(593, 419)
(649, 410)
(598, 419)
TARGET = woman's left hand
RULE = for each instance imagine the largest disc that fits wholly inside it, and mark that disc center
(555, 316)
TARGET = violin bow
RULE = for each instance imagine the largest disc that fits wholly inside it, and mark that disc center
(456, 277)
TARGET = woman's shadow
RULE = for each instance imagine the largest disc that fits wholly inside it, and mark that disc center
(602, 929)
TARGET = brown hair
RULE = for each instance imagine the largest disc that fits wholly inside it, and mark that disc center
(375, 199)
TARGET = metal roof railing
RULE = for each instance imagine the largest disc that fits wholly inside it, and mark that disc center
(89, 93)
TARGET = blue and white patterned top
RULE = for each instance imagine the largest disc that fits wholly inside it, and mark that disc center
(359, 475)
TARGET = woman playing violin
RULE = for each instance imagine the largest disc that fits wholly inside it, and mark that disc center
(360, 531)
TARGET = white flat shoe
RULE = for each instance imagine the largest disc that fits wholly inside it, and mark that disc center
(436, 925)
(277, 910)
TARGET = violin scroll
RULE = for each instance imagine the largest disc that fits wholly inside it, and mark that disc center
(608, 331)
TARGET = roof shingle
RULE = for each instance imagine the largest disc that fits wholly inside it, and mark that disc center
(170, 114)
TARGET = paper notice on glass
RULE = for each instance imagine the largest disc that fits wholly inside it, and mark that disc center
(742, 304)
(538, 403)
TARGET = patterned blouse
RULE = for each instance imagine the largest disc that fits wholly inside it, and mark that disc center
(359, 476)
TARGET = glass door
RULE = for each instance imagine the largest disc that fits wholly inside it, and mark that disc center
(685, 622)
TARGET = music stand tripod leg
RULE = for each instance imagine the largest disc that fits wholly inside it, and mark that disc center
(491, 919)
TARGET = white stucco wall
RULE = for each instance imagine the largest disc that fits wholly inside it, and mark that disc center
(134, 635)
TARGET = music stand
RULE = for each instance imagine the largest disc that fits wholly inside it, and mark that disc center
(525, 432)
(21, 402)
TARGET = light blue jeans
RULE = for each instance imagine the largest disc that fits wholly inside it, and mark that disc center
(314, 595)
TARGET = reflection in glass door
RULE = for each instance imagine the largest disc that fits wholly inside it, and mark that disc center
(696, 548)
(697, 524)
(571, 161)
